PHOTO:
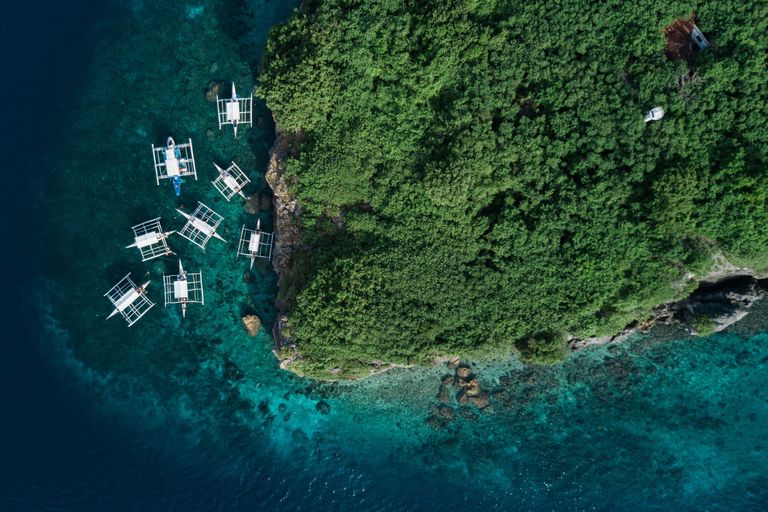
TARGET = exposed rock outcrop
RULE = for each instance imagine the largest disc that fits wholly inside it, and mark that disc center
(463, 372)
(286, 236)
(287, 208)
(717, 304)
(578, 344)
(252, 324)
(722, 303)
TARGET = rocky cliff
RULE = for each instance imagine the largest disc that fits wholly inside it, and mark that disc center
(714, 305)
(287, 238)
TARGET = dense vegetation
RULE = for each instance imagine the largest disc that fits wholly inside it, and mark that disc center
(492, 175)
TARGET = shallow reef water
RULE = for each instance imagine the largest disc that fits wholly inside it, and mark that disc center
(662, 421)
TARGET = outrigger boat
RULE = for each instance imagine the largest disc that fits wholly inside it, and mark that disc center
(174, 161)
(255, 243)
(231, 181)
(129, 300)
(235, 110)
(201, 225)
(150, 239)
(183, 288)
(180, 288)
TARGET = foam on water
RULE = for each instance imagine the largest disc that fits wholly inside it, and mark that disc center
(197, 415)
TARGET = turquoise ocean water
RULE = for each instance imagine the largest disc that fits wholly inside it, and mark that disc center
(192, 414)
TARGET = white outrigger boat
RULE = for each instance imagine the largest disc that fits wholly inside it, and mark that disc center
(150, 239)
(183, 288)
(201, 225)
(254, 243)
(235, 110)
(174, 161)
(129, 300)
(231, 181)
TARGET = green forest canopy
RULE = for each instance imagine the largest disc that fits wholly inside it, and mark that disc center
(495, 178)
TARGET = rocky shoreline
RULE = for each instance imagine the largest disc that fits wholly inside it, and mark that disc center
(286, 235)
(714, 306)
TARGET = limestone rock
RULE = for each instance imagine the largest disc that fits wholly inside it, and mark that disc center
(252, 324)
(463, 371)
(473, 388)
(447, 380)
(249, 278)
(462, 397)
(453, 363)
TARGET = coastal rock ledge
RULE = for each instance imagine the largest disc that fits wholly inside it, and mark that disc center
(711, 308)
(286, 236)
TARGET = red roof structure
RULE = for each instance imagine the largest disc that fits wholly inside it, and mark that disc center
(680, 44)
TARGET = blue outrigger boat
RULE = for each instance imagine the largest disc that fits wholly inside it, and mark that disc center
(174, 164)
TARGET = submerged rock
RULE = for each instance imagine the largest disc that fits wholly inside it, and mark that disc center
(214, 88)
(442, 395)
(232, 371)
(249, 278)
(323, 406)
(252, 325)
(265, 202)
(252, 206)
(436, 422)
(447, 413)
(480, 400)
(468, 414)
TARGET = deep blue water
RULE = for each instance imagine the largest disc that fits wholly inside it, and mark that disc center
(94, 416)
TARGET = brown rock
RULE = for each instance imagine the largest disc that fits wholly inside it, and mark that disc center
(480, 400)
(461, 382)
(473, 388)
(442, 395)
(463, 371)
(447, 380)
(214, 88)
(252, 324)
(462, 397)
(647, 325)
(453, 363)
